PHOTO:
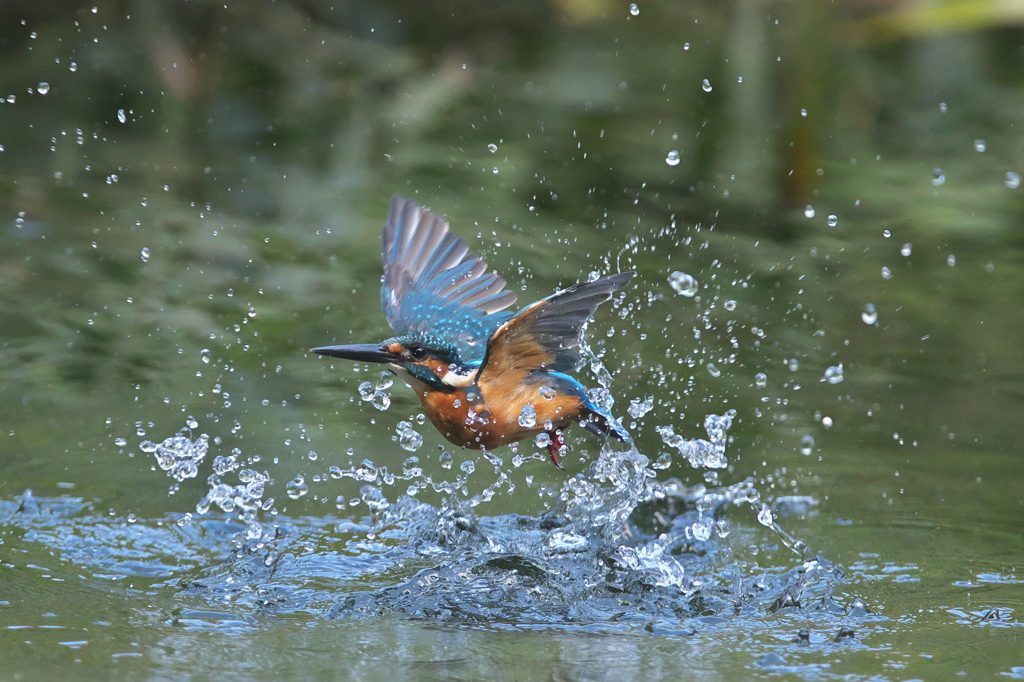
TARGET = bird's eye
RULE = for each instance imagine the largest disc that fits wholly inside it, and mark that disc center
(418, 352)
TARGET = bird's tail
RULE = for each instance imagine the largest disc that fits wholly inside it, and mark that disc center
(603, 424)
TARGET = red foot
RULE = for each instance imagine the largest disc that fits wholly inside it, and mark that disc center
(554, 445)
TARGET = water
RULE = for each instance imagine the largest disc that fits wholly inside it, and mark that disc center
(174, 238)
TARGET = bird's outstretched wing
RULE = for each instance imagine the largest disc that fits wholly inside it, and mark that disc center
(434, 284)
(545, 334)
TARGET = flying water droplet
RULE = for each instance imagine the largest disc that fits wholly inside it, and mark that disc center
(1012, 180)
(145, 254)
(547, 392)
(43, 88)
(385, 381)
(938, 177)
(634, 9)
(950, 260)
(683, 283)
(980, 145)
(834, 374)
(297, 488)
(121, 116)
(673, 158)
(809, 211)
(381, 400)
(806, 445)
(528, 416)
(761, 380)
(870, 315)
(706, 85)
(639, 408)
(366, 391)
(906, 249)
(492, 148)
(832, 220)
(408, 438)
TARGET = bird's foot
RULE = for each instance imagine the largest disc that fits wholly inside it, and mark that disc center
(555, 445)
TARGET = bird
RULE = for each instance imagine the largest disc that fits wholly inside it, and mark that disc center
(486, 377)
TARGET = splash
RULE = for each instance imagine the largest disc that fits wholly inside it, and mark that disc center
(702, 453)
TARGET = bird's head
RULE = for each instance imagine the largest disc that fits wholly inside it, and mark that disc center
(429, 359)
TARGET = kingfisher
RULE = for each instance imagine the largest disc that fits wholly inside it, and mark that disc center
(486, 377)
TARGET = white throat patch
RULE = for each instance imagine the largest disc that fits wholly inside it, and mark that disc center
(457, 380)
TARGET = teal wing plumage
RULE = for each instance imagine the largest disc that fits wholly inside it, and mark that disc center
(433, 284)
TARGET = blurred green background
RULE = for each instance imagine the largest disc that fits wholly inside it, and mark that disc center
(191, 195)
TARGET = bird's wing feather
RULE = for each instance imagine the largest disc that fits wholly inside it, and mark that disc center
(434, 283)
(545, 335)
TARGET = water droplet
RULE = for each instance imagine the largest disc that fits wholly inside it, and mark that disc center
(547, 392)
(366, 391)
(204, 355)
(1012, 180)
(950, 260)
(870, 315)
(886, 273)
(834, 374)
(72, 67)
(980, 145)
(297, 487)
(683, 283)
(468, 467)
(145, 254)
(730, 305)
(713, 370)
(808, 211)
(492, 148)
(832, 220)
(120, 442)
(634, 9)
(385, 381)
(761, 380)
(381, 400)
(312, 456)
(938, 177)
(906, 249)
(408, 438)
(639, 408)
(43, 88)
(943, 108)
(803, 113)
(792, 364)
(806, 445)
(495, 171)
(673, 158)
(121, 116)
(528, 416)
(445, 458)
(706, 85)
(764, 516)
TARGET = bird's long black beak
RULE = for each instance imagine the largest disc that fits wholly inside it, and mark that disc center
(360, 352)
